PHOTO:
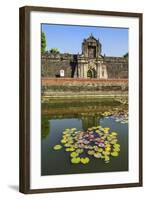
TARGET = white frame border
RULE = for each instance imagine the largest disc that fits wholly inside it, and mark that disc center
(132, 176)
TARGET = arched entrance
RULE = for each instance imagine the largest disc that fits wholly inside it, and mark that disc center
(92, 73)
(89, 73)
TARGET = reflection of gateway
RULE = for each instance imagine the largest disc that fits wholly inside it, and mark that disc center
(90, 120)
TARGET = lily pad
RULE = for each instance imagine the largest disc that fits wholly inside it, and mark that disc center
(57, 147)
(63, 141)
(79, 151)
(116, 145)
(113, 133)
(100, 149)
(74, 154)
(97, 155)
(115, 153)
(107, 149)
(106, 153)
(69, 149)
(85, 160)
(75, 160)
(91, 152)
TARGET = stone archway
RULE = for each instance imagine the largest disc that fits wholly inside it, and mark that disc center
(92, 73)
(89, 73)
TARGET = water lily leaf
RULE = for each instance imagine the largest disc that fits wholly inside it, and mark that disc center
(106, 142)
(75, 160)
(69, 149)
(67, 145)
(90, 129)
(106, 153)
(97, 131)
(79, 151)
(85, 160)
(107, 128)
(98, 127)
(96, 148)
(63, 141)
(115, 153)
(113, 141)
(94, 127)
(106, 158)
(91, 152)
(116, 145)
(109, 138)
(116, 149)
(67, 129)
(113, 133)
(74, 154)
(97, 155)
(100, 150)
(101, 144)
(73, 129)
(107, 145)
(57, 147)
(107, 149)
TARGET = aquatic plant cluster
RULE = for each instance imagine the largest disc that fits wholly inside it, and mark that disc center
(117, 115)
(97, 142)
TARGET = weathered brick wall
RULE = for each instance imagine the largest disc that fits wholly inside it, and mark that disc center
(117, 67)
(52, 64)
(51, 68)
(83, 85)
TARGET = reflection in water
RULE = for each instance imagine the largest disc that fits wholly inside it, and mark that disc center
(58, 116)
(45, 126)
(90, 120)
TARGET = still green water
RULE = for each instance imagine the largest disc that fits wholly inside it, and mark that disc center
(59, 115)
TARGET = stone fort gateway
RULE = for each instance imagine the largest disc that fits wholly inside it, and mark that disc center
(89, 64)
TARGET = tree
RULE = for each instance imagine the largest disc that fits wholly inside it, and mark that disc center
(43, 42)
(126, 55)
(54, 51)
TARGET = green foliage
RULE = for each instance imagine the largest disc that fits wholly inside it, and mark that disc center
(54, 51)
(126, 55)
(43, 42)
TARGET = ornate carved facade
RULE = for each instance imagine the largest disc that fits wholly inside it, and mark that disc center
(90, 62)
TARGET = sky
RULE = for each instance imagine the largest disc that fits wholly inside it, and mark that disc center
(68, 38)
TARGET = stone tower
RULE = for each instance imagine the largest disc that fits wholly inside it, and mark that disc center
(91, 47)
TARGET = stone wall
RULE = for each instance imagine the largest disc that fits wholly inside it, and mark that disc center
(76, 86)
(117, 67)
(52, 64)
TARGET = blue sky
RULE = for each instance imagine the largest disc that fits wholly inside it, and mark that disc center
(68, 39)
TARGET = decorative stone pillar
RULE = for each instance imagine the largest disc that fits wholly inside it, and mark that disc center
(82, 68)
(102, 72)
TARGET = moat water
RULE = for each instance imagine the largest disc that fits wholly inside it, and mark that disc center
(58, 116)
